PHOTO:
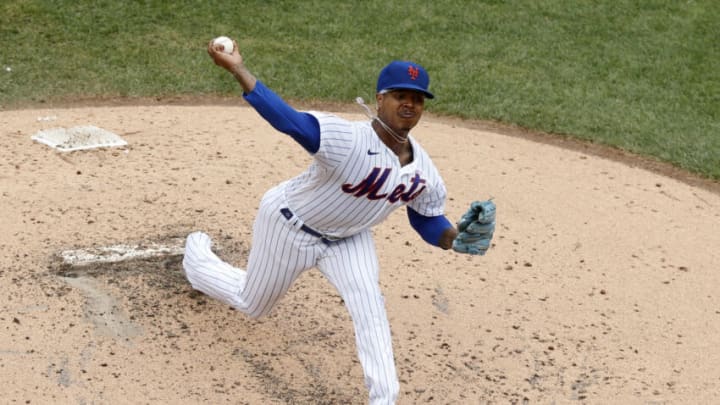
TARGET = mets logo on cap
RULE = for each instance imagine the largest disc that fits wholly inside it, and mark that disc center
(404, 75)
(413, 71)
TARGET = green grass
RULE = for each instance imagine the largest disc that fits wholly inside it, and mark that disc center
(643, 76)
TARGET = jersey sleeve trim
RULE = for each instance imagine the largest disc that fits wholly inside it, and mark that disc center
(429, 228)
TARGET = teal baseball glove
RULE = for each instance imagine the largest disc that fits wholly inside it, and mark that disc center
(476, 228)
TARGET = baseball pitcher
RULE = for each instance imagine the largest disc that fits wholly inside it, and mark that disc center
(361, 172)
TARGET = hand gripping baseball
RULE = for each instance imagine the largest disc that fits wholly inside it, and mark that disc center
(476, 228)
(233, 63)
(223, 59)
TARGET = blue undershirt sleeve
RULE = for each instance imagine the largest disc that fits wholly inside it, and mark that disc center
(429, 228)
(301, 126)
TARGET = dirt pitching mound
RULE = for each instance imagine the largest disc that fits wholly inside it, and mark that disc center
(600, 287)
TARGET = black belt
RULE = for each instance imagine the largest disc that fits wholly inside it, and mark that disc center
(325, 238)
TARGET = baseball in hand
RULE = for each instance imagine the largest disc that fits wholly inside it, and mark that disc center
(226, 42)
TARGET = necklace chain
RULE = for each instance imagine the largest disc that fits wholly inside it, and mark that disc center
(373, 117)
(394, 134)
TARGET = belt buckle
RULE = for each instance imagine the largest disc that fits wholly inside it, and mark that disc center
(331, 238)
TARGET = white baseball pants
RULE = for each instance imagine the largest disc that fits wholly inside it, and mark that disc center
(280, 252)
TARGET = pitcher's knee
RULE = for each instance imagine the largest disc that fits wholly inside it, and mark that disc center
(255, 312)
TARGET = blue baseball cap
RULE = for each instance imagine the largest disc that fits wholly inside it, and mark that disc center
(404, 75)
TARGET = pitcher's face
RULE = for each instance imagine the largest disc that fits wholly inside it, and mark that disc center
(401, 109)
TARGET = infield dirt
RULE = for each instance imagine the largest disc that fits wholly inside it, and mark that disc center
(601, 286)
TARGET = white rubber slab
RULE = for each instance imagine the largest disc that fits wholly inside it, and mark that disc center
(119, 253)
(78, 138)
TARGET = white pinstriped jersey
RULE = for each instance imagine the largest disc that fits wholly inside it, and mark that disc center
(356, 181)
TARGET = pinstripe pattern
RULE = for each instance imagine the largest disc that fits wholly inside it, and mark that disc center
(351, 157)
(343, 159)
(207, 273)
(279, 254)
(351, 265)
